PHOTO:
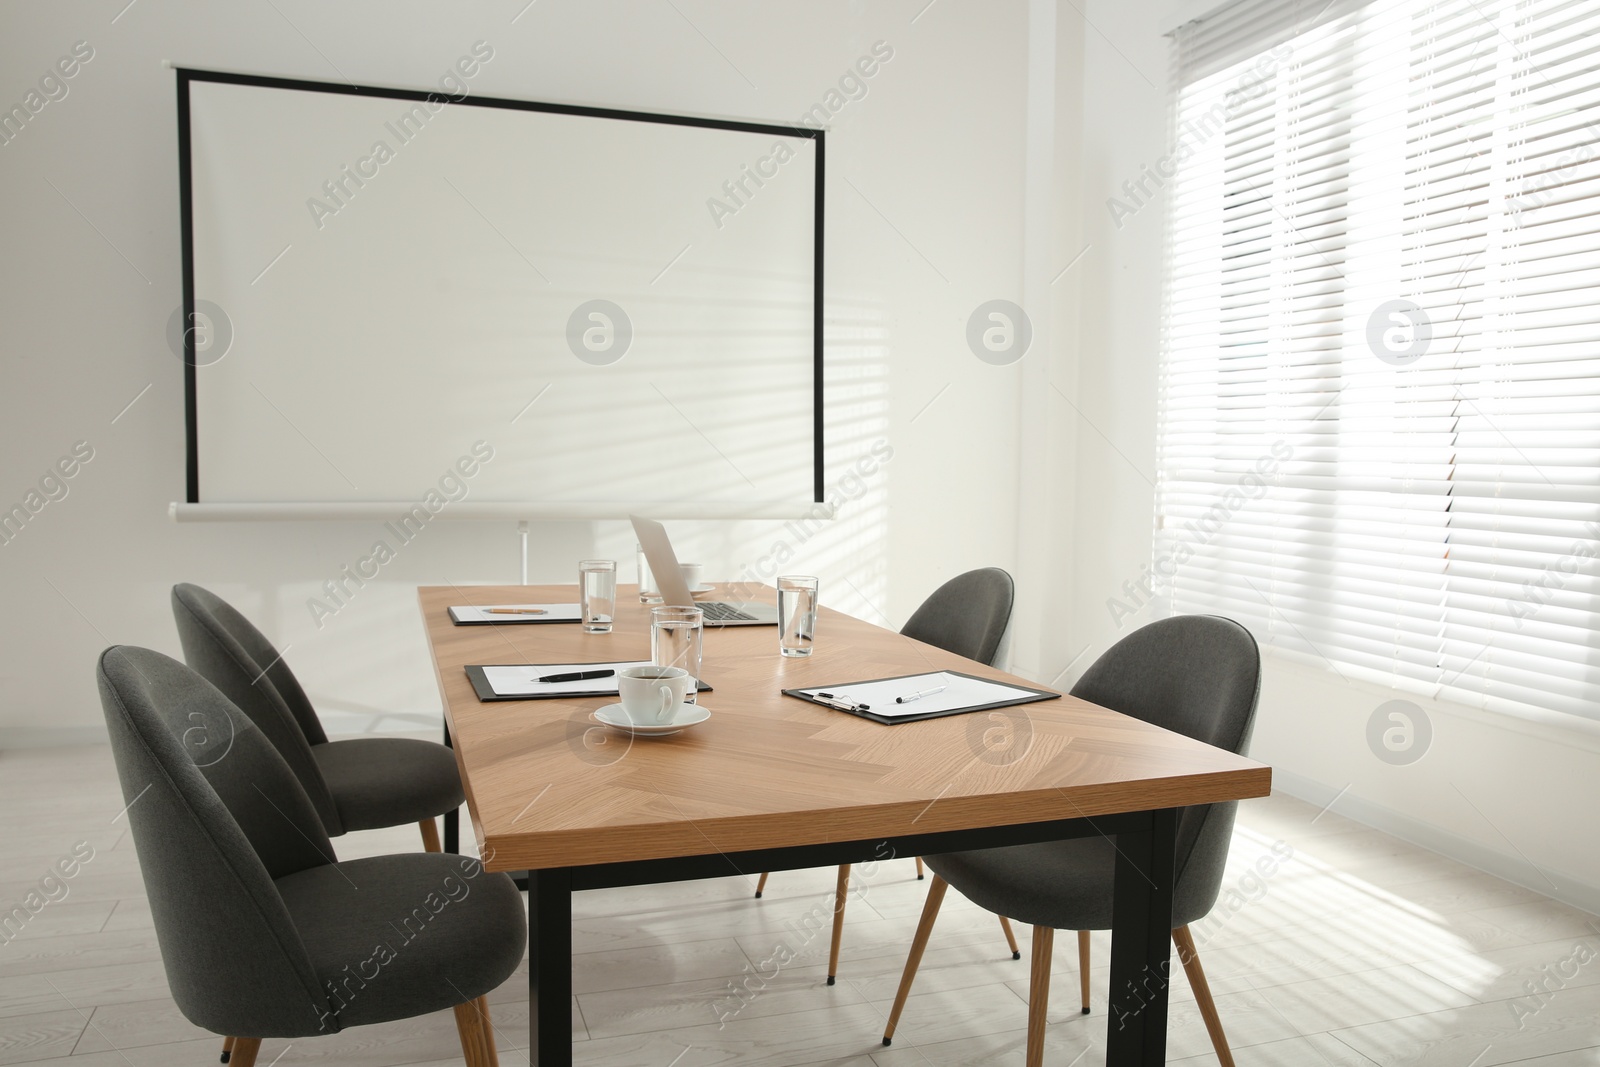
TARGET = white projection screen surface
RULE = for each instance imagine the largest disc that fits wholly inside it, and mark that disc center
(377, 283)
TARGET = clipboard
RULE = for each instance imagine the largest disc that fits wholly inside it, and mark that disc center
(963, 693)
(593, 687)
(479, 615)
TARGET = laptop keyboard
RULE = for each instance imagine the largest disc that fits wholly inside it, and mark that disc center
(716, 611)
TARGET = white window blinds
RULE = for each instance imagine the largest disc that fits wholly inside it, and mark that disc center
(1379, 435)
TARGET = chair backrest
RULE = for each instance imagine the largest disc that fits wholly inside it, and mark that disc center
(966, 615)
(216, 815)
(231, 654)
(1198, 675)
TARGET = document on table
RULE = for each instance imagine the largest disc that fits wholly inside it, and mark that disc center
(504, 681)
(502, 614)
(890, 700)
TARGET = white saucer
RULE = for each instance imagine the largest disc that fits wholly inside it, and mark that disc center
(687, 715)
(702, 589)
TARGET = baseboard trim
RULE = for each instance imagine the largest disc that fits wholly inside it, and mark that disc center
(1512, 869)
(51, 736)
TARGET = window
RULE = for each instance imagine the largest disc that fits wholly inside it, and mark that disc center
(1379, 436)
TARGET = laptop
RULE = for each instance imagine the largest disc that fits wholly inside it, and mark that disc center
(674, 590)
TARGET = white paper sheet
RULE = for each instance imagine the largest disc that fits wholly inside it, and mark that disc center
(523, 681)
(552, 613)
(959, 694)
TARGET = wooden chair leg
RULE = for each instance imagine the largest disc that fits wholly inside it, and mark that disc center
(473, 1033)
(1039, 993)
(840, 893)
(227, 1049)
(430, 836)
(930, 912)
(1083, 968)
(488, 1031)
(1011, 938)
(1202, 993)
(244, 1051)
(919, 868)
(762, 884)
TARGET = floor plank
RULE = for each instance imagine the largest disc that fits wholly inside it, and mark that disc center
(39, 1035)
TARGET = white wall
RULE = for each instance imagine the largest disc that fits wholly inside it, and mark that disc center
(1507, 795)
(925, 199)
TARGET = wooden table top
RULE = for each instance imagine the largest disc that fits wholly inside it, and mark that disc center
(547, 786)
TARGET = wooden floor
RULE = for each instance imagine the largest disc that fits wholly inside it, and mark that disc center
(1357, 950)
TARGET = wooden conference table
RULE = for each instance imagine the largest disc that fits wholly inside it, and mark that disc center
(774, 783)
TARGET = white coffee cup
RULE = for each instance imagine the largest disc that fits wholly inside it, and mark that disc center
(650, 695)
(691, 574)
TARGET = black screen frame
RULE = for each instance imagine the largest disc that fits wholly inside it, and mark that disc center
(186, 76)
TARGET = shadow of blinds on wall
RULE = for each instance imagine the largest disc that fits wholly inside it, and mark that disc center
(1379, 437)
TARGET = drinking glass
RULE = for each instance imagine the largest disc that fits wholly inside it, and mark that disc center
(597, 594)
(676, 637)
(797, 614)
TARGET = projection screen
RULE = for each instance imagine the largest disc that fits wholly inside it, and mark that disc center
(623, 309)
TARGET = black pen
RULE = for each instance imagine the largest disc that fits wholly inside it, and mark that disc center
(576, 676)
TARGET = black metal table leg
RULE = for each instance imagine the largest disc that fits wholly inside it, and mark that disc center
(1141, 944)
(452, 818)
(550, 968)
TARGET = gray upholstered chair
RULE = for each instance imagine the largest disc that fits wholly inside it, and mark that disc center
(969, 615)
(262, 933)
(1198, 675)
(359, 784)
